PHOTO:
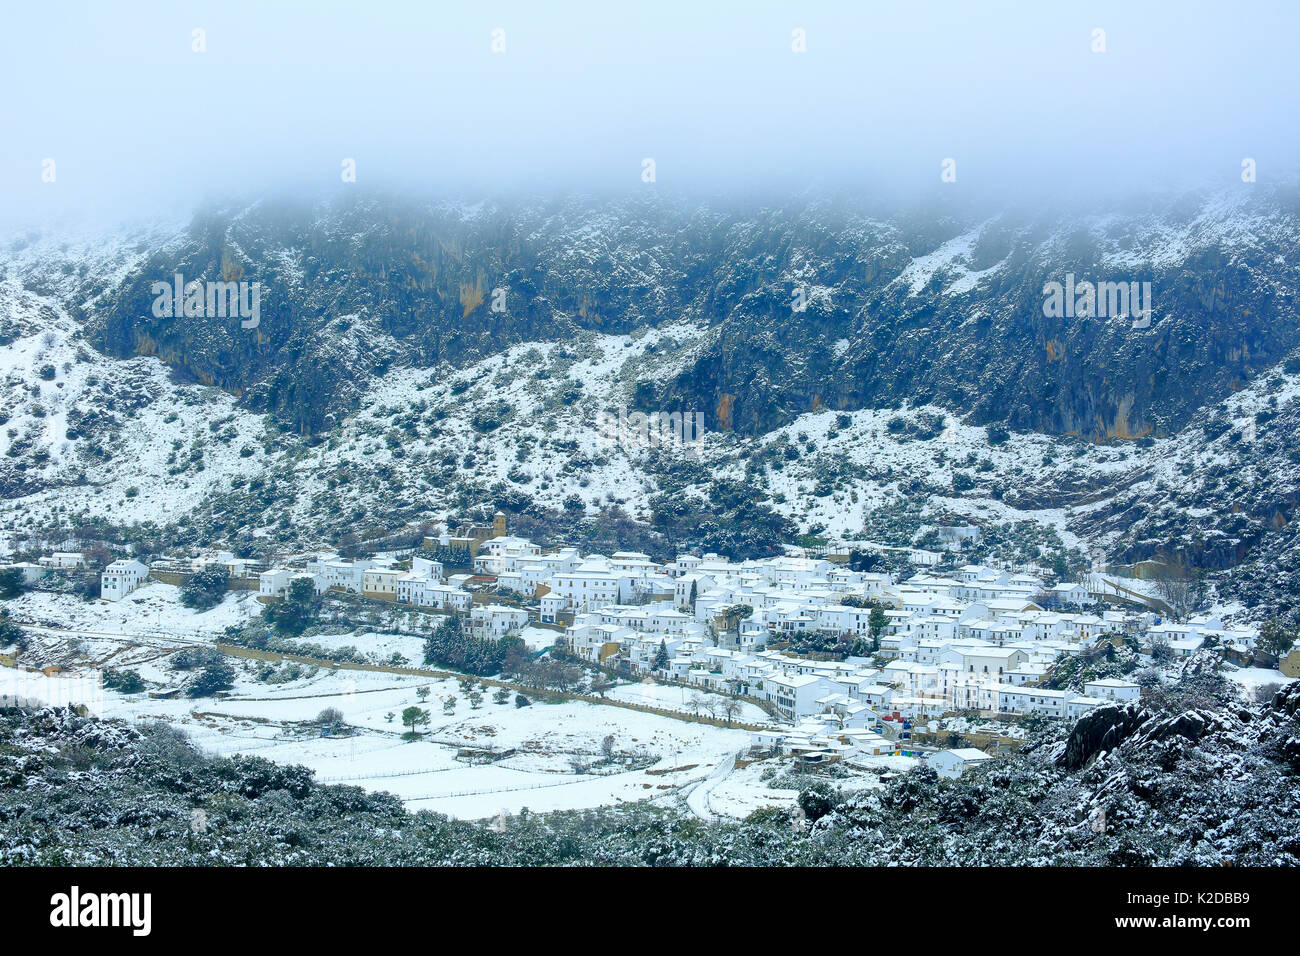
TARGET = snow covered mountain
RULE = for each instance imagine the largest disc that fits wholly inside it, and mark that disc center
(857, 372)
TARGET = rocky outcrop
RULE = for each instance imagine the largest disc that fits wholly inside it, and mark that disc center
(808, 306)
(1101, 730)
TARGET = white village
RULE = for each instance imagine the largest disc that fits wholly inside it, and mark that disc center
(788, 665)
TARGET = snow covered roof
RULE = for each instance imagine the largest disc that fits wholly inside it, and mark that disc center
(969, 753)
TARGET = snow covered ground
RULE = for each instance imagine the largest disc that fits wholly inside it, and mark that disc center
(1251, 678)
(152, 608)
(669, 697)
(556, 763)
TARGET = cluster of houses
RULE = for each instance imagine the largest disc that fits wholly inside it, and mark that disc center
(422, 584)
(847, 731)
(118, 579)
(978, 639)
(33, 571)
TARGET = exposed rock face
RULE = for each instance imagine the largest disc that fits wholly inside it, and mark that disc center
(907, 307)
(1286, 718)
(915, 306)
(1103, 729)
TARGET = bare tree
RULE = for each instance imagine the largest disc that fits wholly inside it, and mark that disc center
(1178, 589)
(331, 718)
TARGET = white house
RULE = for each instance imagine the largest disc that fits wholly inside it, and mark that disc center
(503, 553)
(1069, 594)
(1112, 688)
(551, 606)
(691, 581)
(953, 763)
(411, 588)
(597, 642)
(235, 567)
(594, 584)
(796, 695)
(31, 572)
(275, 582)
(497, 620)
(425, 568)
(1078, 706)
(1031, 700)
(447, 597)
(121, 578)
(1188, 646)
(380, 583)
(985, 659)
(63, 561)
(341, 573)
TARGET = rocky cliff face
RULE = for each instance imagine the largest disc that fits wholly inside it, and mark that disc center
(382, 388)
(807, 306)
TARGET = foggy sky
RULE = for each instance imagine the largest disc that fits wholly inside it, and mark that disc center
(138, 122)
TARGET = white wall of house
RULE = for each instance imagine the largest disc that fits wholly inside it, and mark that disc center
(121, 578)
(953, 763)
(274, 582)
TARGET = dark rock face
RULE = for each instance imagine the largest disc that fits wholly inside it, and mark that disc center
(1286, 702)
(1285, 708)
(1103, 729)
(918, 306)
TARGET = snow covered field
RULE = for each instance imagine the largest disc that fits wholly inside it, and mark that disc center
(655, 756)
(153, 607)
(1251, 678)
(670, 697)
(558, 747)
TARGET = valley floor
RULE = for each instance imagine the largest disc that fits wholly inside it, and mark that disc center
(656, 757)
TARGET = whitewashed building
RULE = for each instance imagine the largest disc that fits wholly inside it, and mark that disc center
(121, 578)
(275, 582)
(954, 763)
(495, 621)
(1112, 689)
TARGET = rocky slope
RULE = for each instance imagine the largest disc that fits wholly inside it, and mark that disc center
(381, 390)
(927, 305)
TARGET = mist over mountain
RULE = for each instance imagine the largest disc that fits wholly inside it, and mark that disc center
(805, 304)
(744, 434)
(506, 327)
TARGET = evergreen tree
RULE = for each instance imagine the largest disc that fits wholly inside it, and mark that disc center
(415, 717)
(11, 633)
(876, 621)
(123, 681)
(11, 583)
(206, 588)
(297, 610)
(1275, 640)
(215, 676)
